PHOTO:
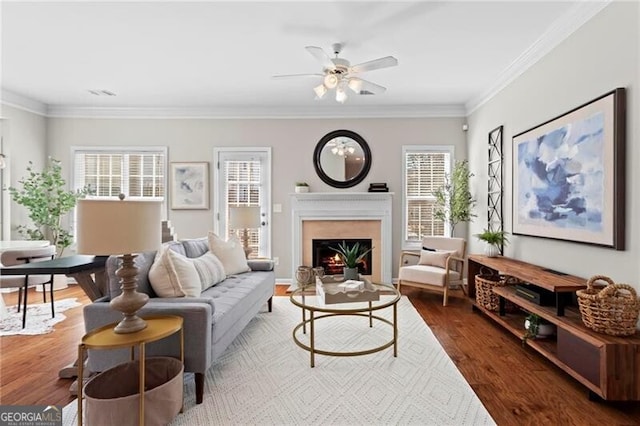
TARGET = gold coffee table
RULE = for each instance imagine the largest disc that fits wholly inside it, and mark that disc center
(311, 303)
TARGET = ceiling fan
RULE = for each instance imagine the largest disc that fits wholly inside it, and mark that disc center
(338, 73)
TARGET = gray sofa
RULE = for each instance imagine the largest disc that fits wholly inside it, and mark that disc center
(211, 321)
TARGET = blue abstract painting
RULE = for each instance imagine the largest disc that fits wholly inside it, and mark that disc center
(561, 177)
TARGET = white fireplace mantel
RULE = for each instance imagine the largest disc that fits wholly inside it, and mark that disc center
(342, 206)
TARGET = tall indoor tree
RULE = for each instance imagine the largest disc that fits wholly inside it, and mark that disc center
(47, 200)
(454, 202)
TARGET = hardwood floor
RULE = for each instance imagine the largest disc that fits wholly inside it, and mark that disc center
(516, 385)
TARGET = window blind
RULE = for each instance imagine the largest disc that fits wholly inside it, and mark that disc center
(425, 172)
(136, 174)
(243, 189)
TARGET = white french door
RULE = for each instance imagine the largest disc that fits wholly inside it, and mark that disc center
(242, 177)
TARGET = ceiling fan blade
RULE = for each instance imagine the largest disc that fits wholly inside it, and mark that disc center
(364, 87)
(297, 75)
(387, 61)
(321, 56)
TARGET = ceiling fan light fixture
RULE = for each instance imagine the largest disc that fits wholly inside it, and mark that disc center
(341, 95)
(355, 84)
(320, 90)
(331, 81)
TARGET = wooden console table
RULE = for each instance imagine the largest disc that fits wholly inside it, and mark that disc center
(608, 366)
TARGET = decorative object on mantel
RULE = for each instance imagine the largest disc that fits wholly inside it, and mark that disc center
(454, 202)
(109, 227)
(348, 169)
(494, 241)
(610, 310)
(569, 175)
(378, 187)
(302, 187)
(351, 257)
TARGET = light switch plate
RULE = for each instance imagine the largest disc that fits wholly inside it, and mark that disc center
(277, 208)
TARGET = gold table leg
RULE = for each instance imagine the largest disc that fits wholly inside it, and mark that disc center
(80, 383)
(395, 330)
(141, 354)
(312, 342)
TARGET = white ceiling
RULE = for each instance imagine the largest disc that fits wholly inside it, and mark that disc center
(203, 57)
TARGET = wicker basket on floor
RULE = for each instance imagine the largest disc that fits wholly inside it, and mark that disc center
(612, 309)
(485, 297)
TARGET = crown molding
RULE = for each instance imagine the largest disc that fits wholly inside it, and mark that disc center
(569, 23)
(566, 25)
(341, 111)
(25, 103)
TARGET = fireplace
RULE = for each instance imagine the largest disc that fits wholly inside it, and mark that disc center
(325, 256)
(340, 216)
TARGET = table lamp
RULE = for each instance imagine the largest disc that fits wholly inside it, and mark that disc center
(244, 217)
(119, 227)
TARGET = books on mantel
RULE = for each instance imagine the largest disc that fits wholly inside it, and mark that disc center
(378, 187)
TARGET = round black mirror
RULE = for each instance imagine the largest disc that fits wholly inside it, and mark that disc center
(342, 159)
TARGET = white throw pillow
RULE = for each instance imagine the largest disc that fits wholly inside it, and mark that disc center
(230, 253)
(210, 270)
(174, 275)
(435, 258)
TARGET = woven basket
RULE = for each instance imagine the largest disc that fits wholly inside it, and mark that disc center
(485, 297)
(612, 309)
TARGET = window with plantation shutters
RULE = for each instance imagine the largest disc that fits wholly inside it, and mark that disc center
(242, 176)
(425, 168)
(137, 173)
(243, 189)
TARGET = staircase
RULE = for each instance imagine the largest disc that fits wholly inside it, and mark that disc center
(168, 233)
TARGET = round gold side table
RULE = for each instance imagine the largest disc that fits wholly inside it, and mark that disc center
(158, 327)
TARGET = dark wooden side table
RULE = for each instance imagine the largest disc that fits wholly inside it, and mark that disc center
(158, 327)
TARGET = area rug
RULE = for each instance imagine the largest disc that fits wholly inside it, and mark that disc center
(264, 378)
(39, 319)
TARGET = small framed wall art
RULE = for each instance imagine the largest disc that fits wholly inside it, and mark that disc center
(189, 185)
(569, 175)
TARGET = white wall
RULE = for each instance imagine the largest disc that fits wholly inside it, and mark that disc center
(25, 139)
(599, 57)
(293, 142)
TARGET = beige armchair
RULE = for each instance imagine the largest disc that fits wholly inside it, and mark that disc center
(434, 270)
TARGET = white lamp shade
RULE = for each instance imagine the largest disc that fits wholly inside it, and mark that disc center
(107, 227)
(242, 217)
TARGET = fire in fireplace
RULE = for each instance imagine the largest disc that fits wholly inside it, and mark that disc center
(326, 257)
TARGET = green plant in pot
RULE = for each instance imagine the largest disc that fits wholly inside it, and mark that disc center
(302, 187)
(494, 239)
(351, 256)
(536, 327)
(47, 200)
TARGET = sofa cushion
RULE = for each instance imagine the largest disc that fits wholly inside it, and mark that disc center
(210, 270)
(174, 275)
(195, 247)
(230, 253)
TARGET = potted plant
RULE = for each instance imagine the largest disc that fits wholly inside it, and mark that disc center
(494, 240)
(537, 328)
(351, 257)
(44, 195)
(302, 187)
(454, 202)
